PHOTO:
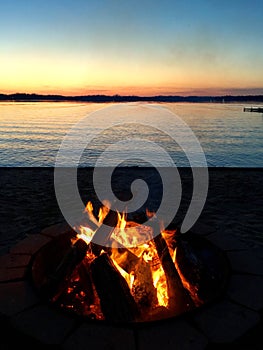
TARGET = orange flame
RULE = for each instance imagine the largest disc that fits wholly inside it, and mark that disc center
(121, 224)
(137, 239)
(159, 282)
(89, 211)
(150, 214)
(103, 211)
(89, 207)
(86, 234)
(129, 277)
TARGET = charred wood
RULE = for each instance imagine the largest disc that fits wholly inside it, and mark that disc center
(125, 259)
(143, 290)
(117, 303)
(179, 298)
(57, 281)
(85, 281)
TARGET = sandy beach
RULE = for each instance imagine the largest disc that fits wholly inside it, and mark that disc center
(234, 207)
(234, 202)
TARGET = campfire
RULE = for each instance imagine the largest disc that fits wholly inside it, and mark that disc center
(137, 272)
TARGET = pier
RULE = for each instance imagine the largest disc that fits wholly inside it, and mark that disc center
(253, 109)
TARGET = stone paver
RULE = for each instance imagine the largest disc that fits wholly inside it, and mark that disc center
(16, 297)
(177, 334)
(247, 290)
(12, 274)
(246, 262)
(44, 324)
(100, 337)
(56, 230)
(225, 241)
(30, 244)
(14, 260)
(225, 321)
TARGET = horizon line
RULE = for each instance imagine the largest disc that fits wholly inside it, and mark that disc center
(128, 95)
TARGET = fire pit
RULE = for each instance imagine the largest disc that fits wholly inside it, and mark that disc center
(135, 276)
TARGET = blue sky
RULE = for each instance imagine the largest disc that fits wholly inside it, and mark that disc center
(144, 46)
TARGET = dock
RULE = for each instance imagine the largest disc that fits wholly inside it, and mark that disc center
(253, 109)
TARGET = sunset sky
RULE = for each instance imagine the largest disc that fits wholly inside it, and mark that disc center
(80, 47)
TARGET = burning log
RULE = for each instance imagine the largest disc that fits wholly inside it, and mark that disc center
(103, 236)
(179, 298)
(143, 290)
(103, 233)
(117, 303)
(85, 280)
(57, 282)
(190, 268)
(124, 258)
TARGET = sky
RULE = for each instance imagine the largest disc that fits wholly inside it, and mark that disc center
(136, 47)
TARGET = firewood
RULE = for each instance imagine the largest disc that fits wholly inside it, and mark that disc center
(104, 241)
(143, 290)
(85, 281)
(117, 303)
(57, 281)
(101, 238)
(125, 258)
(179, 298)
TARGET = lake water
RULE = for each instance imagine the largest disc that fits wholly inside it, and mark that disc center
(31, 134)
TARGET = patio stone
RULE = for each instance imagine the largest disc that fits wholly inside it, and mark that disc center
(44, 324)
(16, 297)
(225, 321)
(176, 334)
(30, 245)
(100, 338)
(247, 290)
(246, 262)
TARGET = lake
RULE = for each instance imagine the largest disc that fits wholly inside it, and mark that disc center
(31, 134)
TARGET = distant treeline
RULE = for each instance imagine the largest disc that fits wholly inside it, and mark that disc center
(19, 97)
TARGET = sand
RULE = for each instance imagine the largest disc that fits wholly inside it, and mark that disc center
(234, 202)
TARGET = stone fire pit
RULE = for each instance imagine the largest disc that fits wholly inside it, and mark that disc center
(230, 315)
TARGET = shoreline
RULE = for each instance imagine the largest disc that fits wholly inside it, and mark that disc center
(34, 97)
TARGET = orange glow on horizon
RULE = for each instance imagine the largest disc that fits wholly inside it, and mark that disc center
(135, 91)
(73, 76)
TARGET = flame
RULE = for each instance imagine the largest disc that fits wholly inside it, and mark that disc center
(103, 211)
(138, 240)
(121, 224)
(193, 290)
(129, 277)
(89, 207)
(186, 284)
(86, 234)
(148, 252)
(150, 214)
(89, 210)
(174, 256)
(159, 282)
(132, 235)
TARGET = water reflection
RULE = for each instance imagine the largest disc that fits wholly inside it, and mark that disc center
(31, 133)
